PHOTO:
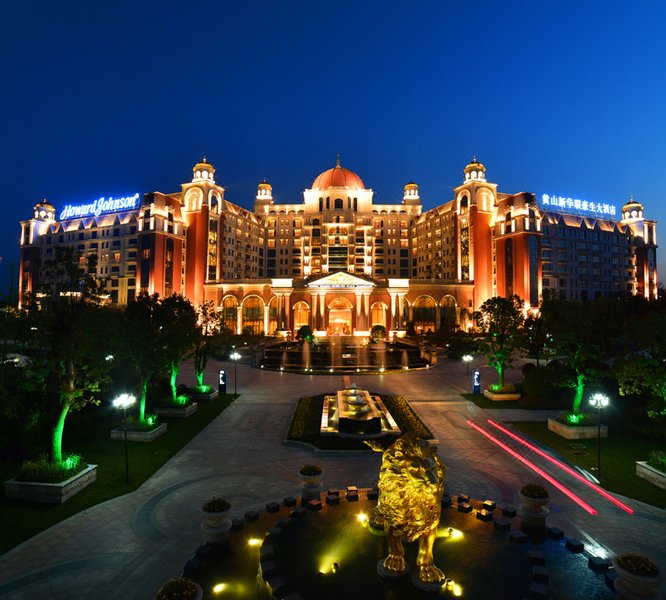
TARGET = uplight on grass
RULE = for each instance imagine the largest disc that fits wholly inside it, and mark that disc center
(252, 542)
(218, 588)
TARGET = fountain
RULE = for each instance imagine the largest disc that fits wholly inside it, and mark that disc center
(355, 413)
(306, 355)
(341, 355)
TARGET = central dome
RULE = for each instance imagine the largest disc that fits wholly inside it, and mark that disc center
(338, 177)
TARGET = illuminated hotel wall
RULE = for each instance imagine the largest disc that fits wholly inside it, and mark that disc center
(270, 268)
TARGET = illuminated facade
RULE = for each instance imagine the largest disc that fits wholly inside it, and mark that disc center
(340, 263)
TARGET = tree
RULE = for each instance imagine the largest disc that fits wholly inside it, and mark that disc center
(74, 334)
(535, 336)
(501, 320)
(208, 321)
(304, 334)
(643, 368)
(582, 336)
(142, 343)
(177, 331)
(378, 332)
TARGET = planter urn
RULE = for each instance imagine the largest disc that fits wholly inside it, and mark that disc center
(215, 526)
(310, 486)
(630, 586)
(533, 511)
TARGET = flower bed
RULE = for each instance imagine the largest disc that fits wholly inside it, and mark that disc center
(50, 493)
(576, 432)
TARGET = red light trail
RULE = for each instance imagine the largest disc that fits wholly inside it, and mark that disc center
(562, 466)
(567, 492)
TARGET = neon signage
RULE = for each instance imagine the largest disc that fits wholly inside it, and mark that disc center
(99, 207)
(578, 206)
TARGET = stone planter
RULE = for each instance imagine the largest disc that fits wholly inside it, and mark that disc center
(533, 511)
(655, 476)
(177, 412)
(501, 397)
(576, 432)
(50, 493)
(215, 526)
(203, 397)
(136, 435)
(630, 586)
(310, 486)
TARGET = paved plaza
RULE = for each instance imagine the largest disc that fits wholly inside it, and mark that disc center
(126, 547)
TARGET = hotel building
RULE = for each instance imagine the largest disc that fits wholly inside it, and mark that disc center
(340, 263)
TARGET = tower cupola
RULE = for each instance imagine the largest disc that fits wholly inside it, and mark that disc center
(475, 171)
(203, 171)
(45, 211)
(411, 193)
(632, 211)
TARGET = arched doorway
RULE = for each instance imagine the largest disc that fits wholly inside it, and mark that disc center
(229, 312)
(253, 315)
(301, 315)
(340, 317)
(424, 314)
(378, 314)
(447, 309)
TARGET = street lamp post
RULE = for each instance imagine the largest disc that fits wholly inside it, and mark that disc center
(467, 358)
(124, 401)
(599, 401)
(235, 356)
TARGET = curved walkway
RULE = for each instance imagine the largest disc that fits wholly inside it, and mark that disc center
(126, 547)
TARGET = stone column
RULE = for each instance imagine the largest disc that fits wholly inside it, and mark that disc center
(266, 319)
(359, 323)
(239, 319)
(366, 308)
(438, 318)
(287, 312)
(313, 311)
(322, 309)
(393, 323)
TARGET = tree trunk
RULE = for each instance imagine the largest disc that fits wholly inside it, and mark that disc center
(580, 389)
(56, 436)
(142, 401)
(175, 369)
(500, 374)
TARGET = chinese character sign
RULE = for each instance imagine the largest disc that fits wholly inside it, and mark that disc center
(574, 205)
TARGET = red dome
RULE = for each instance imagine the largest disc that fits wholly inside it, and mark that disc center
(338, 177)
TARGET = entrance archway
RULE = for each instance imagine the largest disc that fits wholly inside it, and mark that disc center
(301, 315)
(340, 317)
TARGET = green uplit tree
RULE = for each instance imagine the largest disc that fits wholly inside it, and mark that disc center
(74, 333)
(177, 332)
(304, 333)
(209, 323)
(378, 332)
(141, 349)
(583, 338)
(501, 320)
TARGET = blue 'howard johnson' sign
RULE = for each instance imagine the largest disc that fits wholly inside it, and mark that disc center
(99, 207)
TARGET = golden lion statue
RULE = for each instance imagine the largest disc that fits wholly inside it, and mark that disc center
(411, 483)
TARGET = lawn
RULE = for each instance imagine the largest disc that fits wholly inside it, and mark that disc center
(19, 521)
(618, 455)
(482, 402)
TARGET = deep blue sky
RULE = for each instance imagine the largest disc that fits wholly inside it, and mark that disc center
(112, 98)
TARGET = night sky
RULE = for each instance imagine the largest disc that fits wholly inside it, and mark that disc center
(113, 98)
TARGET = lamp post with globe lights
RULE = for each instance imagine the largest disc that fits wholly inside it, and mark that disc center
(235, 356)
(123, 402)
(599, 401)
(467, 358)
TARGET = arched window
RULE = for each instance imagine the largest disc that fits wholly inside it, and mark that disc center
(253, 315)
(338, 204)
(229, 311)
(424, 314)
(301, 315)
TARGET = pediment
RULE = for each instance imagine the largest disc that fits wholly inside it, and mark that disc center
(340, 279)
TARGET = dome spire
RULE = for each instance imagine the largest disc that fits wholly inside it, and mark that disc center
(337, 160)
